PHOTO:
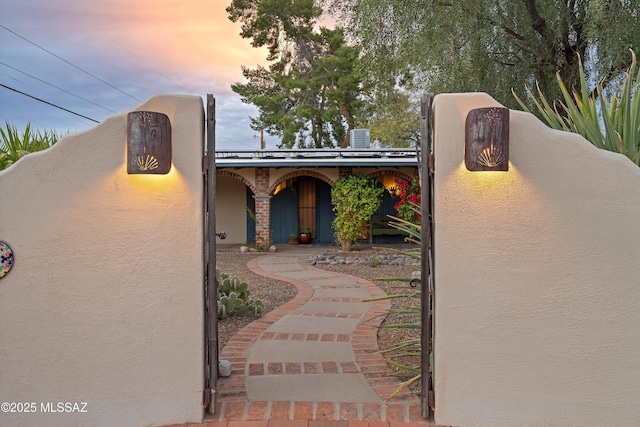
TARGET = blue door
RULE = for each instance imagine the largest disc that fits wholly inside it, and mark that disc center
(387, 208)
(251, 224)
(325, 214)
(284, 215)
(307, 200)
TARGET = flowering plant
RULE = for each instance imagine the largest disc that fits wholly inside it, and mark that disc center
(408, 192)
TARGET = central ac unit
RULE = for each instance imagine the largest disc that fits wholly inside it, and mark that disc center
(360, 138)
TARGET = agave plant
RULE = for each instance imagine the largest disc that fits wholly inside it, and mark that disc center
(411, 312)
(14, 144)
(610, 121)
(410, 347)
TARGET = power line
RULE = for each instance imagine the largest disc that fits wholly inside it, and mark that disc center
(137, 57)
(59, 88)
(48, 103)
(74, 66)
(234, 141)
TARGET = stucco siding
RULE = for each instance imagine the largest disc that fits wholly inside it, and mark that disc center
(537, 293)
(231, 209)
(104, 303)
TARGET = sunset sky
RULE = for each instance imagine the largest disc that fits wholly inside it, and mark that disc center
(116, 53)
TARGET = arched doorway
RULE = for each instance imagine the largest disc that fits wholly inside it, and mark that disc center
(302, 201)
(390, 181)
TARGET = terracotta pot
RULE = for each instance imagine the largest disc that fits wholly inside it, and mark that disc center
(305, 238)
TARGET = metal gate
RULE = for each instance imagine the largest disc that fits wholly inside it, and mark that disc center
(210, 285)
(425, 169)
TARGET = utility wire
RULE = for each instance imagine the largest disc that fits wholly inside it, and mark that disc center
(137, 57)
(59, 88)
(234, 141)
(74, 66)
(48, 103)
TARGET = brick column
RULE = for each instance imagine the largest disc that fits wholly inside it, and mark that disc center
(263, 206)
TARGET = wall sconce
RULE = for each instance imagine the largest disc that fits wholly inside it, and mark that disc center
(390, 184)
(486, 142)
(148, 143)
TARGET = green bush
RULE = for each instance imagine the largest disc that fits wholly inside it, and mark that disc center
(355, 199)
(608, 119)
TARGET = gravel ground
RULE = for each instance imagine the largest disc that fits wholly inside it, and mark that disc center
(273, 293)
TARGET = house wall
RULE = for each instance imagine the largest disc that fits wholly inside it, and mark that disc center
(276, 174)
(231, 216)
(248, 173)
(404, 171)
(537, 309)
(231, 193)
(104, 302)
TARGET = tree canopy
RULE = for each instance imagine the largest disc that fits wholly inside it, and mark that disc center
(321, 82)
(491, 45)
(393, 119)
(310, 94)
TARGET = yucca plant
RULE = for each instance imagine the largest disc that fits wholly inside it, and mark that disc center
(14, 144)
(610, 121)
(410, 348)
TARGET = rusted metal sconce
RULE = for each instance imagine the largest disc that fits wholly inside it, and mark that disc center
(148, 143)
(486, 145)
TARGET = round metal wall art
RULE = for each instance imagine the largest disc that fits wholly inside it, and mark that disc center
(6, 259)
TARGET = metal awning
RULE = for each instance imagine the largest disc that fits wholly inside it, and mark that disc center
(371, 157)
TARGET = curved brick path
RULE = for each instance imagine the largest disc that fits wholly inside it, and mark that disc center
(313, 358)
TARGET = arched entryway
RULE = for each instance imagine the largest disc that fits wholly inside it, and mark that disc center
(299, 202)
(390, 181)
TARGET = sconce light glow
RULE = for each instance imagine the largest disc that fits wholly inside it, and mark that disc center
(389, 182)
(486, 142)
(148, 143)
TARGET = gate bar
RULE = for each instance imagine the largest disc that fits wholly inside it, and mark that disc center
(211, 325)
(424, 156)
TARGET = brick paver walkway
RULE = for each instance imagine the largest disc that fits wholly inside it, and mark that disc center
(314, 361)
(313, 357)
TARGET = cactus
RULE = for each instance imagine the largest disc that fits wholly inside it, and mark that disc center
(234, 297)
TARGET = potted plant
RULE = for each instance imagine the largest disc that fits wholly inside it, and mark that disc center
(293, 239)
(305, 235)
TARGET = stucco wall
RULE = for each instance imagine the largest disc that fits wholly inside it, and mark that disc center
(104, 303)
(231, 214)
(247, 173)
(537, 313)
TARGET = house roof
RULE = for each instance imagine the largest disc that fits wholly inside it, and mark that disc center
(365, 157)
